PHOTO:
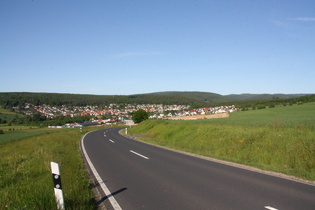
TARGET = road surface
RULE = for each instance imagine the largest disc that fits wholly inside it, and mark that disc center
(134, 175)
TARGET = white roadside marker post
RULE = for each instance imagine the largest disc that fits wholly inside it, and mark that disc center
(57, 185)
(126, 131)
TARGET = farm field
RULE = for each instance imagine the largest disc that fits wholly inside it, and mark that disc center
(12, 133)
(25, 172)
(280, 139)
(5, 114)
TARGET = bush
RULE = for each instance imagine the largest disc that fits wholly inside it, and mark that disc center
(261, 106)
(1, 131)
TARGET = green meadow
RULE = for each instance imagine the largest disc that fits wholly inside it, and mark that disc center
(25, 173)
(280, 139)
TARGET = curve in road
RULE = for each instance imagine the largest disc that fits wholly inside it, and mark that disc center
(142, 176)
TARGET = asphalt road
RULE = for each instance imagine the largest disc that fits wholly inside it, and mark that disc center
(141, 176)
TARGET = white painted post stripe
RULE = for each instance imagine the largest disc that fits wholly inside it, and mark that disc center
(270, 208)
(108, 194)
(57, 185)
(54, 168)
(59, 199)
(139, 154)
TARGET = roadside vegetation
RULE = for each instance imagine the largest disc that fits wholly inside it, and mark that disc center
(265, 135)
(25, 173)
(280, 139)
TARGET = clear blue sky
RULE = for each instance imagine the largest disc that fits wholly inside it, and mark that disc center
(122, 47)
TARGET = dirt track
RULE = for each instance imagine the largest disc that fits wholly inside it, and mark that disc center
(197, 117)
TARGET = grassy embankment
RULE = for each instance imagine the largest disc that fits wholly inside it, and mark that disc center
(25, 173)
(280, 139)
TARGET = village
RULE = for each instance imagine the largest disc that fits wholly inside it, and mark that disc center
(121, 113)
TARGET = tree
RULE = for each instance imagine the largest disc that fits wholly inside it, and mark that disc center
(140, 116)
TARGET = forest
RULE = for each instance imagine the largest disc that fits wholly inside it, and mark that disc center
(14, 99)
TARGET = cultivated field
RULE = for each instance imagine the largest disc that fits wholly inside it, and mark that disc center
(12, 133)
(5, 114)
(203, 116)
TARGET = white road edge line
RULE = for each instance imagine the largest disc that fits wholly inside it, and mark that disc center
(108, 194)
(139, 154)
(111, 141)
(270, 208)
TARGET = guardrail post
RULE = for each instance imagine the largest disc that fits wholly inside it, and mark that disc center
(57, 185)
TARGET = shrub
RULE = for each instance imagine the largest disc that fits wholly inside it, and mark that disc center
(261, 106)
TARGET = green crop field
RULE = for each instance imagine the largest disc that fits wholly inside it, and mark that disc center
(12, 133)
(280, 139)
(25, 174)
(6, 114)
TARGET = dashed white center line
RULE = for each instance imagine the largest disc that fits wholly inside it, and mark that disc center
(111, 141)
(270, 208)
(139, 154)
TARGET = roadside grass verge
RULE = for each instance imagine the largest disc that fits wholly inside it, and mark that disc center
(280, 139)
(25, 174)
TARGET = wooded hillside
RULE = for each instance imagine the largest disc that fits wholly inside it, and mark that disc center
(194, 99)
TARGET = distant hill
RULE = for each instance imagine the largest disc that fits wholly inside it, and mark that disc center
(193, 98)
(248, 96)
(14, 99)
(201, 96)
(217, 98)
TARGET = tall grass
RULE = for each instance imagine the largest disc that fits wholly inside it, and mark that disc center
(279, 139)
(25, 174)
